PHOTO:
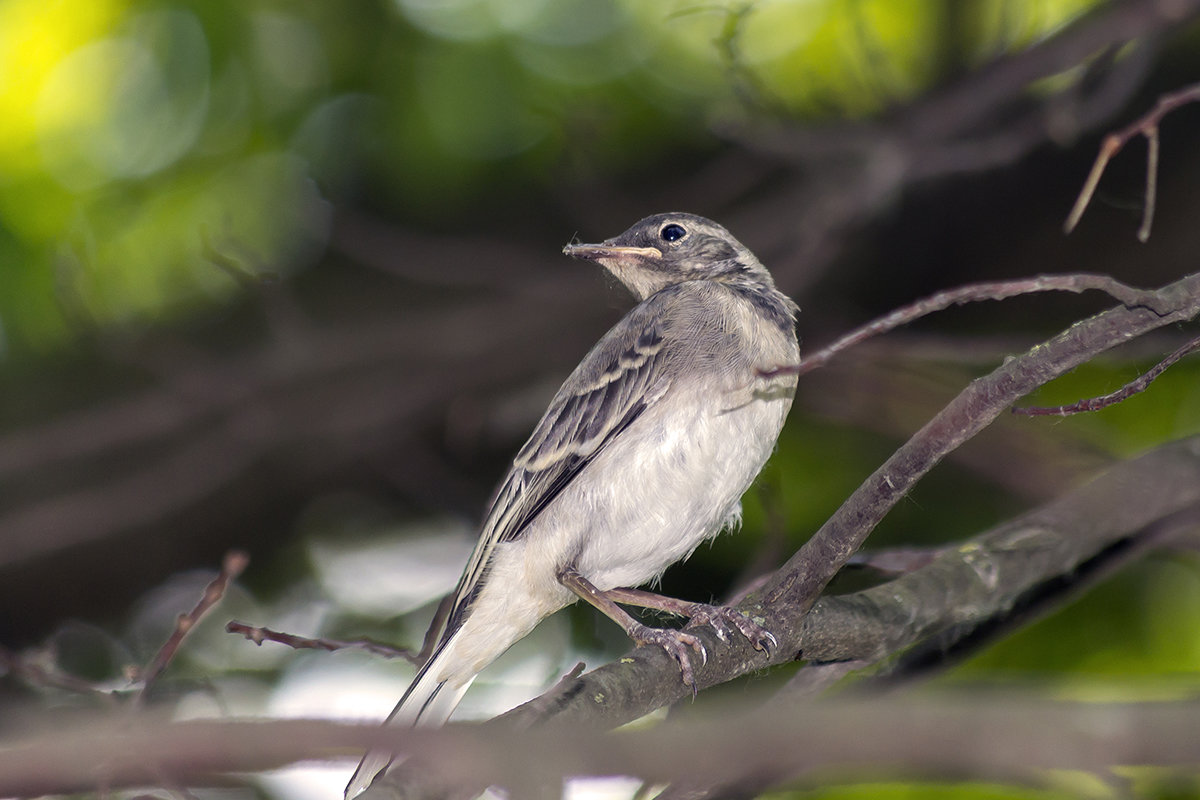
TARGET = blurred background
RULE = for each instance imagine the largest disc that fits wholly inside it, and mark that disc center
(285, 277)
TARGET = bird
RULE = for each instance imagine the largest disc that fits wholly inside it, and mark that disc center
(643, 454)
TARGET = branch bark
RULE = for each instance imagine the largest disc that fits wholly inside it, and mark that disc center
(1003, 737)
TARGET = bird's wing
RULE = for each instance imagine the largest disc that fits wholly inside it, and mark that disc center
(619, 379)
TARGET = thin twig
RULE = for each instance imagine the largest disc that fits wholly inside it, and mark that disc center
(259, 635)
(1125, 392)
(973, 293)
(1147, 126)
(233, 565)
(1143, 233)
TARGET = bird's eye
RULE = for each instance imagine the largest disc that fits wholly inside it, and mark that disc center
(672, 232)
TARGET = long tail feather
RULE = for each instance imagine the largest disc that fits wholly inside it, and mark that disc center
(427, 703)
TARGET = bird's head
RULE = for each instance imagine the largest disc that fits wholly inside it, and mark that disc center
(672, 248)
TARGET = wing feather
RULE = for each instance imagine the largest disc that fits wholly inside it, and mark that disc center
(616, 382)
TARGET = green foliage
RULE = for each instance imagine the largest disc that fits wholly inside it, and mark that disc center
(141, 136)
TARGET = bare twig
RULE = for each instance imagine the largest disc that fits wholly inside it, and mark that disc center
(235, 561)
(1125, 392)
(973, 293)
(1147, 126)
(1152, 144)
(259, 635)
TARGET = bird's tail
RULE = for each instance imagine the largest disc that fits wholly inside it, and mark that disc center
(427, 703)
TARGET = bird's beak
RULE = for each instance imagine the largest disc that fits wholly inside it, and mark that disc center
(602, 252)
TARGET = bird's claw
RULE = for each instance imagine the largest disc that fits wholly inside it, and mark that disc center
(720, 617)
(676, 643)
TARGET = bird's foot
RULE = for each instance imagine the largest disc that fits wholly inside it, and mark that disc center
(721, 617)
(677, 644)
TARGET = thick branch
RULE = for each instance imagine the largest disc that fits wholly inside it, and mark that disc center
(985, 577)
(940, 737)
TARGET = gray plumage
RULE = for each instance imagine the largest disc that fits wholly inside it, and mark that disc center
(643, 454)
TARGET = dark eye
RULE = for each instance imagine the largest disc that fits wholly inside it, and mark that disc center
(672, 232)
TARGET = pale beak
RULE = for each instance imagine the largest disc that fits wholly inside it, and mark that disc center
(598, 252)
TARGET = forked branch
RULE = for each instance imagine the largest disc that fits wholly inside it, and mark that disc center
(1147, 126)
(1135, 386)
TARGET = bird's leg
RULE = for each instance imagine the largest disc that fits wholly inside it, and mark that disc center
(698, 614)
(676, 643)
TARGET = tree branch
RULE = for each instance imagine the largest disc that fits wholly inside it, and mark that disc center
(234, 564)
(973, 293)
(941, 736)
(1147, 126)
(259, 635)
(1139, 384)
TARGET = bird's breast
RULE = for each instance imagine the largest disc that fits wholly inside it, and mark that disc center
(674, 480)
